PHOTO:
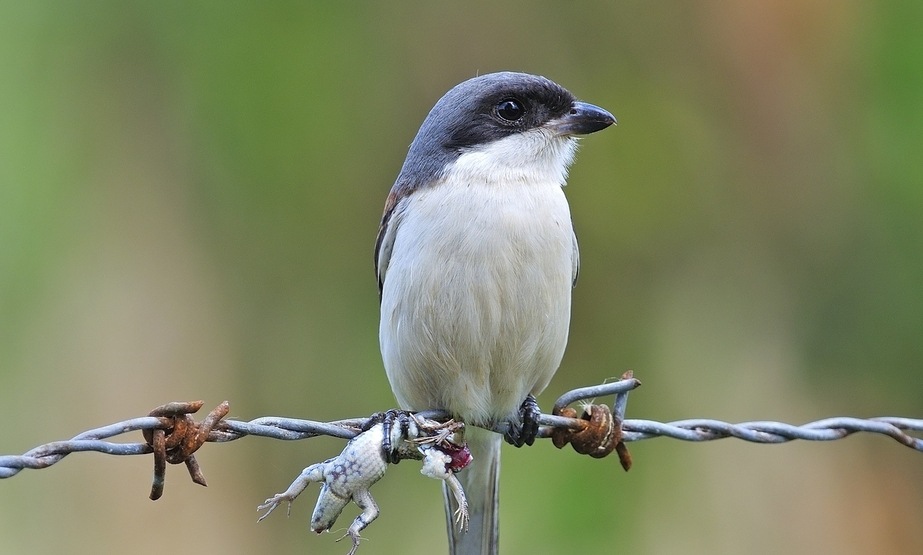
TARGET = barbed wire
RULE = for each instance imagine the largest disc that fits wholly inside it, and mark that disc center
(216, 429)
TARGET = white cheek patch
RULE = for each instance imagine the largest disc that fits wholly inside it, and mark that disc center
(537, 155)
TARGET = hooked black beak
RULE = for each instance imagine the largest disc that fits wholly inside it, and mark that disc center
(582, 119)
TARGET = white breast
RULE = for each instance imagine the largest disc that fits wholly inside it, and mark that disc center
(475, 306)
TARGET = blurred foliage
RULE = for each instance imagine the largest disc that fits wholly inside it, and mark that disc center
(189, 194)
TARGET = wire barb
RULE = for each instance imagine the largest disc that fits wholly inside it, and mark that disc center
(180, 439)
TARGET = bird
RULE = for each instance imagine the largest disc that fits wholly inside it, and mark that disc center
(476, 258)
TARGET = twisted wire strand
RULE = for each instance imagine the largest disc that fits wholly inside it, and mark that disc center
(828, 429)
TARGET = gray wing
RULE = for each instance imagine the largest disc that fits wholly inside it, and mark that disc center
(387, 230)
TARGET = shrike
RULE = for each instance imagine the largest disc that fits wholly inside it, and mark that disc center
(476, 257)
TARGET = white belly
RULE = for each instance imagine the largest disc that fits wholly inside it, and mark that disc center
(476, 302)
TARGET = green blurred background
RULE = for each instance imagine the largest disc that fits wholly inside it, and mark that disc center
(189, 195)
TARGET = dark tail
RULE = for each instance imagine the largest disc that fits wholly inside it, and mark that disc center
(481, 483)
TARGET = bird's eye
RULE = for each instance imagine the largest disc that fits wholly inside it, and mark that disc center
(510, 110)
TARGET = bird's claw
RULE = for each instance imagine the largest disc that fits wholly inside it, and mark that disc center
(394, 422)
(525, 430)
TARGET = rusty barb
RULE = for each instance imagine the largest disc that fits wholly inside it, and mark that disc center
(179, 438)
(601, 430)
(173, 436)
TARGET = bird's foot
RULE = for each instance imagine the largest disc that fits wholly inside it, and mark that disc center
(525, 430)
(390, 420)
